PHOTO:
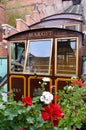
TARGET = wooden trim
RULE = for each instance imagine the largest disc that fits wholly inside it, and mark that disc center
(17, 76)
(32, 77)
(60, 79)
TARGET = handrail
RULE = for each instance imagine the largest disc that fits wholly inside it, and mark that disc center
(3, 80)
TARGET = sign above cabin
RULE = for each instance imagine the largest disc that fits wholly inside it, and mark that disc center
(41, 34)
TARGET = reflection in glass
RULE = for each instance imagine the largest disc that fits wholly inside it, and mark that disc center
(17, 56)
(84, 65)
(38, 59)
(66, 57)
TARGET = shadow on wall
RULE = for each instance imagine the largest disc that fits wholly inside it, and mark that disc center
(76, 2)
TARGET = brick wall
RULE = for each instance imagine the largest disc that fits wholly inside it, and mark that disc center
(3, 51)
(2, 18)
(2, 14)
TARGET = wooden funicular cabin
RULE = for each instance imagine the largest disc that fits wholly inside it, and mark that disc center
(53, 48)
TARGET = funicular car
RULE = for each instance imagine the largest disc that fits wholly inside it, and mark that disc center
(53, 48)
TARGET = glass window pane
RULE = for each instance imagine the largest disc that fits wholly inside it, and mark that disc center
(83, 64)
(17, 56)
(72, 27)
(38, 59)
(66, 57)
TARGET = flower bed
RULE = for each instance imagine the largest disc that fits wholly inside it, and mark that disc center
(60, 111)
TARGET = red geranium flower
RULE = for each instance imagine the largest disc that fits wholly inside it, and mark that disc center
(79, 83)
(21, 129)
(52, 113)
(27, 100)
(57, 97)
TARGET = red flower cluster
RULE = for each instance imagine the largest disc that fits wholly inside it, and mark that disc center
(78, 82)
(27, 101)
(52, 113)
(21, 129)
(57, 97)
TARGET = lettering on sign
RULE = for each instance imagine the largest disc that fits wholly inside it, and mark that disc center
(41, 34)
(16, 90)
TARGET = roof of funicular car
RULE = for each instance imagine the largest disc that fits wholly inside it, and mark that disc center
(54, 19)
(64, 15)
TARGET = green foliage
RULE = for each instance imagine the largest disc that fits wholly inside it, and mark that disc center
(74, 107)
(15, 10)
(15, 115)
(3, 1)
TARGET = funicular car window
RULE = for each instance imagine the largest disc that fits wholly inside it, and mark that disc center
(66, 57)
(72, 27)
(39, 56)
(17, 56)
